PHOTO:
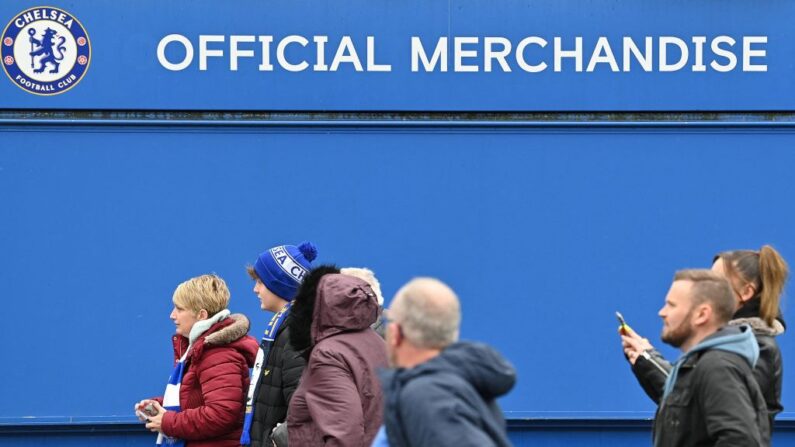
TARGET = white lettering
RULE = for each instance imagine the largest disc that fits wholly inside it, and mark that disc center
(669, 40)
(490, 54)
(748, 53)
(320, 62)
(724, 53)
(520, 54)
(602, 53)
(698, 55)
(346, 52)
(459, 54)
(161, 52)
(235, 52)
(205, 52)
(280, 53)
(371, 65)
(644, 58)
(576, 53)
(439, 55)
(266, 53)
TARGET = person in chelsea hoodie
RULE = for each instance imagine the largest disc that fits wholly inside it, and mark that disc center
(443, 392)
(710, 396)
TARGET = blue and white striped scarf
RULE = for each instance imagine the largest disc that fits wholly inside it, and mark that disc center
(262, 356)
(171, 396)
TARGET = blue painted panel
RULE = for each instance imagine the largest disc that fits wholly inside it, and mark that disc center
(564, 433)
(544, 233)
(125, 72)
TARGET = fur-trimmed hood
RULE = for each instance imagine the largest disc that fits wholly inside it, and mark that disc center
(232, 331)
(759, 326)
(328, 303)
(303, 309)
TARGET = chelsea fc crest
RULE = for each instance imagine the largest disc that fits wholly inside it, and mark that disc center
(45, 50)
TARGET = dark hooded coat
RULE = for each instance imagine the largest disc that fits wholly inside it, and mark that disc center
(449, 400)
(714, 399)
(768, 371)
(339, 400)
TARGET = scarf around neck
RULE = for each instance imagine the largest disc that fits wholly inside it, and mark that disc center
(171, 396)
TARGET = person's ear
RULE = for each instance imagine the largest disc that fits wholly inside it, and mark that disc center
(747, 292)
(702, 315)
(202, 315)
(395, 334)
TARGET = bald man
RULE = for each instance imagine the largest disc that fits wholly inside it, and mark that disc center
(441, 392)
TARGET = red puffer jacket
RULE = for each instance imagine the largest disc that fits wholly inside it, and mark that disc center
(214, 385)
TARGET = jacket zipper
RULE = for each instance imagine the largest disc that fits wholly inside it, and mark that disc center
(645, 355)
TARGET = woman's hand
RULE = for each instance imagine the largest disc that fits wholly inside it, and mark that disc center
(155, 422)
(634, 344)
(140, 409)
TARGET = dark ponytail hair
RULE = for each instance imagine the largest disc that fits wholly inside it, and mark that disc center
(766, 270)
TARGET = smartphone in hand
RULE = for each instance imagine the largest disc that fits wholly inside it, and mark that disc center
(623, 326)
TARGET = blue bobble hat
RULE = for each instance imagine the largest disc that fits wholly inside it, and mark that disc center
(283, 268)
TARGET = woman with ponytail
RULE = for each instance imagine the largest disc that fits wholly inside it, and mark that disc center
(757, 278)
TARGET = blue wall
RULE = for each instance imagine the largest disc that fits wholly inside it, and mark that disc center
(544, 231)
(545, 221)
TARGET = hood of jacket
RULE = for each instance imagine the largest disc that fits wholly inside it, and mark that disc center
(736, 339)
(303, 309)
(751, 310)
(344, 303)
(759, 326)
(484, 368)
(229, 330)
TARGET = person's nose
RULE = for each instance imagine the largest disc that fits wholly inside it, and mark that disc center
(173, 315)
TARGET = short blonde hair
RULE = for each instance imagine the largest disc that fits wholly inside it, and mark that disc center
(367, 276)
(208, 292)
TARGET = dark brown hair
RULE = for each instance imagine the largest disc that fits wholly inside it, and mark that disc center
(765, 269)
(252, 273)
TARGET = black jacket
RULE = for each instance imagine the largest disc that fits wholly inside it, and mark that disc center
(715, 400)
(278, 381)
(449, 400)
(768, 371)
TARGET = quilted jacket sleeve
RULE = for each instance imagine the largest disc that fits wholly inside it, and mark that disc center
(293, 363)
(221, 375)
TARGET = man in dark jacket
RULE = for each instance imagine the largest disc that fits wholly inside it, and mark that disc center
(443, 392)
(710, 397)
(277, 273)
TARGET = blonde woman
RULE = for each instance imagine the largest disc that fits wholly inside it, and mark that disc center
(205, 395)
